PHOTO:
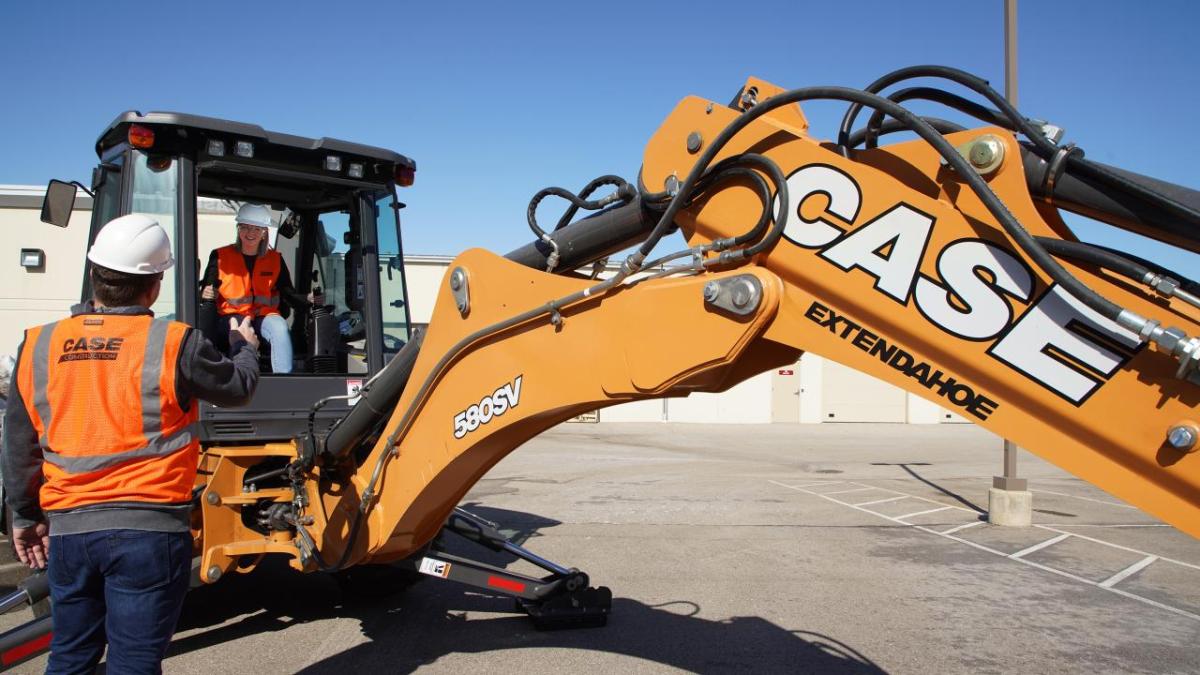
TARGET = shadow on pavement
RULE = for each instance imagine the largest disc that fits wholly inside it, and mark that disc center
(413, 625)
(907, 466)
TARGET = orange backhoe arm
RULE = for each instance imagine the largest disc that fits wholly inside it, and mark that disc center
(888, 263)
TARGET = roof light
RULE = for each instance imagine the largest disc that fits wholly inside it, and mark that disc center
(216, 148)
(405, 175)
(355, 170)
(140, 136)
(333, 163)
(244, 149)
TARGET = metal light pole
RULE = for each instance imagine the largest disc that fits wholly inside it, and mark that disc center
(1014, 505)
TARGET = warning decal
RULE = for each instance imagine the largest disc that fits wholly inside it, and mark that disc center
(435, 568)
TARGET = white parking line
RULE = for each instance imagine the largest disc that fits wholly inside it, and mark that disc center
(824, 482)
(1118, 546)
(1087, 499)
(921, 513)
(842, 492)
(963, 527)
(1128, 571)
(882, 501)
(1037, 547)
(1067, 575)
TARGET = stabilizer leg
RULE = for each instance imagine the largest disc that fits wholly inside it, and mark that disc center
(32, 638)
(562, 599)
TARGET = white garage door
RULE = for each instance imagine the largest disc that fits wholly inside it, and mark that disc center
(850, 396)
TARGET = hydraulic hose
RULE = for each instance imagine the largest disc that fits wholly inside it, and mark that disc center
(1042, 146)
(1133, 268)
(946, 98)
(624, 193)
(972, 82)
(589, 239)
(892, 126)
(732, 166)
(1095, 255)
(1019, 234)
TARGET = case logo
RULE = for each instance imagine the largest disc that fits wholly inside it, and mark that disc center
(1056, 342)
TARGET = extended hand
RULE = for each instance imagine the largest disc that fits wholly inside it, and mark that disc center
(316, 299)
(32, 545)
(245, 329)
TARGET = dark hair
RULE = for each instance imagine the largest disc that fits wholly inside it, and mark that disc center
(120, 289)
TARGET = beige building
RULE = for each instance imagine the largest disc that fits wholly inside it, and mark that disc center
(42, 277)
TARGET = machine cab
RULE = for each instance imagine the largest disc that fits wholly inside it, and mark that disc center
(336, 225)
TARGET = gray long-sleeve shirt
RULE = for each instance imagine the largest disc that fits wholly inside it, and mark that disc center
(201, 373)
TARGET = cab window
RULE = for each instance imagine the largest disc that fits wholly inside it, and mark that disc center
(337, 269)
(156, 194)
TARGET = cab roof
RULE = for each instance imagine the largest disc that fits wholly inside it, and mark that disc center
(115, 132)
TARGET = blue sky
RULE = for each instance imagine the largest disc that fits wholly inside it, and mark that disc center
(497, 100)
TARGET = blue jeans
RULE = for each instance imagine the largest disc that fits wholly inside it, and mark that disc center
(274, 329)
(123, 587)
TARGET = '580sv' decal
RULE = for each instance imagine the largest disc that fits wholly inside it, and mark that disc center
(1057, 342)
(489, 407)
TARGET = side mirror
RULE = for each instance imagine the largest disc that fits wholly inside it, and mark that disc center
(58, 203)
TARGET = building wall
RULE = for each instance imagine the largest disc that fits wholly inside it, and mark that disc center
(29, 297)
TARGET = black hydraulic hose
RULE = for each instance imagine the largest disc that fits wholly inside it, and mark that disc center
(589, 239)
(1125, 264)
(772, 169)
(996, 207)
(760, 187)
(1041, 145)
(1095, 255)
(625, 193)
(316, 553)
(892, 126)
(943, 97)
(975, 83)
(732, 166)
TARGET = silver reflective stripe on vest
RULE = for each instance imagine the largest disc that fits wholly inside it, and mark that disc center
(159, 446)
(152, 362)
(267, 300)
(41, 379)
(238, 302)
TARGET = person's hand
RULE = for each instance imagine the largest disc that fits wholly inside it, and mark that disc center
(209, 293)
(32, 545)
(246, 330)
(317, 299)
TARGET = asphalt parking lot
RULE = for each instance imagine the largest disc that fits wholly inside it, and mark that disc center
(781, 548)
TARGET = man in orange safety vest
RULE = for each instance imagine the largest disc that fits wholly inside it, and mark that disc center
(101, 450)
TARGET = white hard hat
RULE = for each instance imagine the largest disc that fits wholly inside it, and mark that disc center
(254, 214)
(135, 244)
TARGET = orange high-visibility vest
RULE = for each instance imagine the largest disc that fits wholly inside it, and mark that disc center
(241, 294)
(100, 391)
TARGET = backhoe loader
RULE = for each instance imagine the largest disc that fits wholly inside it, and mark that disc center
(939, 264)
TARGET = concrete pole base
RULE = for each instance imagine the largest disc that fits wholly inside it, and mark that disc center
(1012, 508)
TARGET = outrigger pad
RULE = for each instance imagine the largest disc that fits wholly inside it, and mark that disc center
(586, 608)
